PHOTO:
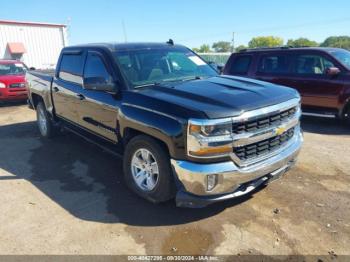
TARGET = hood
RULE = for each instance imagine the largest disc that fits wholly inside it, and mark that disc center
(220, 96)
(12, 79)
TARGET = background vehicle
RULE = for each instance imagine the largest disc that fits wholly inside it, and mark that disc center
(321, 75)
(182, 129)
(12, 80)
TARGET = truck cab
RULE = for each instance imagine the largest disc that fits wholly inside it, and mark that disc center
(183, 131)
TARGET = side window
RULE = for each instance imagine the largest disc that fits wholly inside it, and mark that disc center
(274, 64)
(95, 68)
(71, 68)
(240, 65)
(312, 65)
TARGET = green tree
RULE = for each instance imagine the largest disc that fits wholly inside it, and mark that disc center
(202, 49)
(300, 42)
(240, 47)
(222, 47)
(337, 41)
(265, 41)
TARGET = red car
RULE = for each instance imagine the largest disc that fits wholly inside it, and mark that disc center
(13, 85)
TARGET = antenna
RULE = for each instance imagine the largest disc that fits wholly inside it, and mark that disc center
(170, 42)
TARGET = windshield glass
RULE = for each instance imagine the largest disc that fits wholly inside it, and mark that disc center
(343, 56)
(158, 65)
(12, 69)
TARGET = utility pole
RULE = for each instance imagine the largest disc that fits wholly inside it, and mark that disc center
(124, 31)
(233, 42)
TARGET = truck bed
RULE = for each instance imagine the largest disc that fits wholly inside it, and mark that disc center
(40, 82)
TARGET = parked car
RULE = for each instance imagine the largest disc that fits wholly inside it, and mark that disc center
(321, 75)
(182, 129)
(12, 80)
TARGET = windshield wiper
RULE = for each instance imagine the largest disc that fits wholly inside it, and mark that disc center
(149, 84)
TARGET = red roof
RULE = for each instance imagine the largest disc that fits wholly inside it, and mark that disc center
(16, 48)
(9, 22)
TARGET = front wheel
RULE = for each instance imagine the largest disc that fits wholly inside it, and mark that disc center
(147, 169)
(346, 116)
(45, 125)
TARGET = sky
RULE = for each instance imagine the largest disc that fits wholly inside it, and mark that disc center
(189, 22)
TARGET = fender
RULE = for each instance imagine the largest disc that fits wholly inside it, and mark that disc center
(167, 128)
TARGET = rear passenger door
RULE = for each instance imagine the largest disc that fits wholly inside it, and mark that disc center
(275, 68)
(67, 84)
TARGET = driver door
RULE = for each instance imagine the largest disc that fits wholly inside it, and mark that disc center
(98, 110)
(310, 78)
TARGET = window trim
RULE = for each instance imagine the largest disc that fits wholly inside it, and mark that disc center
(71, 52)
(237, 57)
(313, 53)
(104, 61)
(274, 54)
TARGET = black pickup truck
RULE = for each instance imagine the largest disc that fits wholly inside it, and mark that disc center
(184, 131)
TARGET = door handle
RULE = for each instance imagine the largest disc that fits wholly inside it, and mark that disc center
(56, 89)
(80, 96)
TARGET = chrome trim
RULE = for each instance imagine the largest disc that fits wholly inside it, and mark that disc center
(241, 163)
(319, 115)
(248, 137)
(231, 176)
(251, 138)
(267, 110)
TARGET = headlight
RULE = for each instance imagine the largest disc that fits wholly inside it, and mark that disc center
(209, 138)
(2, 85)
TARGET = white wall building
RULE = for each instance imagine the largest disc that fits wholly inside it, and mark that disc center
(36, 44)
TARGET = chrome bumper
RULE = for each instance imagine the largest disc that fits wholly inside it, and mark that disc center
(193, 176)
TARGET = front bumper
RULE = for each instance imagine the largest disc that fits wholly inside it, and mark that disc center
(233, 181)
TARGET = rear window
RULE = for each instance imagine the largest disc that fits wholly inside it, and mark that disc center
(240, 65)
(274, 64)
(71, 68)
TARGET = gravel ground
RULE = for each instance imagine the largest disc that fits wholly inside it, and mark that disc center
(66, 196)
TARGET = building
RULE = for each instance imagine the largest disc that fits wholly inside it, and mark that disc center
(36, 44)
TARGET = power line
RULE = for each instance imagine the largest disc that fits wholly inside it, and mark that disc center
(318, 23)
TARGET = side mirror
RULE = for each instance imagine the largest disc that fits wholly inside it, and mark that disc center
(332, 71)
(99, 84)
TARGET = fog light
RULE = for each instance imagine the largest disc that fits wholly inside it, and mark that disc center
(212, 180)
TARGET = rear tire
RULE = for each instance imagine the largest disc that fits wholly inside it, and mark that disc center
(46, 128)
(147, 170)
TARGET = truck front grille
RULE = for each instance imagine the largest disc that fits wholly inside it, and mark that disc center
(263, 122)
(263, 147)
(17, 85)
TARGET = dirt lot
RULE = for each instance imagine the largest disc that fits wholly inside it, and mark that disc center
(66, 196)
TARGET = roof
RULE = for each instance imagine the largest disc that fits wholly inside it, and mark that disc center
(288, 49)
(125, 46)
(16, 48)
(11, 22)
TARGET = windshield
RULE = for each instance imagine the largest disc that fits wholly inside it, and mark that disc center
(343, 56)
(158, 65)
(12, 69)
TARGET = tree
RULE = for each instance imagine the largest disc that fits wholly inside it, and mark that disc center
(202, 49)
(337, 41)
(300, 42)
(240, 47)
(222, 47)
(265, 41)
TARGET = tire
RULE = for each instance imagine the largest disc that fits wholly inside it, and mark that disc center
(45, 125)
(346, 116)
(140, 172)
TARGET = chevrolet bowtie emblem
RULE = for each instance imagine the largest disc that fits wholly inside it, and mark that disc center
(280, 130)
